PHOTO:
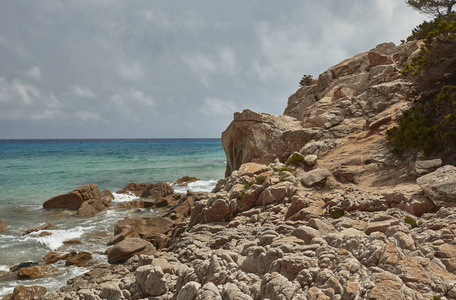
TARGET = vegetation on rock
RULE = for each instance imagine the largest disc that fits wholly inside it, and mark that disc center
(430, 123)
(305, 80)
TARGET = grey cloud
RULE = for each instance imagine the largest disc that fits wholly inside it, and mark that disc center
(171, 68)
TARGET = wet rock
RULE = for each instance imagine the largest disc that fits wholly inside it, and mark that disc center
(27, 292)
(35, 229)
(32, 272)
(78, 259)
(3, 226)
(106, 195)
(148, 190)
(74, 199)
(92, 207)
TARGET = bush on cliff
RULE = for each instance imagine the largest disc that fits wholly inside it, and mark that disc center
(430, 124)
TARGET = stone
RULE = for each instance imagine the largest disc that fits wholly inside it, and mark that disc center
(311, 160)
(380, 226)
(35, 229)
(209, 292)
(313, 177)
(305, 233)
(148, 190)
(440, 186)
(151, 280)
(142, 227)
(217, 211)
(74, 199)
(106, 195)
(28, 292)
(426, 166)
(184, 181)
(77, 259)
(110, 291)
(32, 272)
(127, 248)
(3, 226)
(92, 207)
(189, 291)
(262, 137)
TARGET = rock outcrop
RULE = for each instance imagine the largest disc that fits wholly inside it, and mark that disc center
(87, 199)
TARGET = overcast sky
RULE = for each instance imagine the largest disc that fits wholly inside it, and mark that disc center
(151, 69)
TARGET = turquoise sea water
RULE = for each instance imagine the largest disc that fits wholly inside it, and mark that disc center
(32, 171)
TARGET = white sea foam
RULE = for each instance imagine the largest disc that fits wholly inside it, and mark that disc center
(124, 197)
(57, 238)
(4, 268)
(197, 186)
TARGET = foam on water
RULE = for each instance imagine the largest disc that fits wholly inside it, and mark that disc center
(197, 186)
(124, 197)
(57, 238)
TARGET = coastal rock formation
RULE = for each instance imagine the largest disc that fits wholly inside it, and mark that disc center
(314, 206)
(26, 292)
(148, 190)
(86, 199)
(3, 226)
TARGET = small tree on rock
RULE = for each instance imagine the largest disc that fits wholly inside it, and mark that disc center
(306, 80)
(434, 8)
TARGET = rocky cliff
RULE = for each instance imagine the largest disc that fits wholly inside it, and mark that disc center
(314, 206)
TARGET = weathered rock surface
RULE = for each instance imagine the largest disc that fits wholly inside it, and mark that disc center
(26, 293)
(148, 190)
(440, 186)
(74, 199)
(127, 248)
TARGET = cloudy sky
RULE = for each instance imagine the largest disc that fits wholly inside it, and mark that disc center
(151, 69)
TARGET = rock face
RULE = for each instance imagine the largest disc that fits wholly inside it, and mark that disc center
(258, 137)
(26, 292)
(74, 199)
(440, 186)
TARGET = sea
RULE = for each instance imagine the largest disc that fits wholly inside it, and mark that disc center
(32, 171)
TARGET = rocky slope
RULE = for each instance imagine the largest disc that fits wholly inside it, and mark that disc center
(314, 206)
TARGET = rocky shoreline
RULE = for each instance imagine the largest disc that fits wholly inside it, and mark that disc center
(314, 206)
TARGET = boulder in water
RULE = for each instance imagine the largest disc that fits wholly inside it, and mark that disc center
(74, 199)
(3, 226)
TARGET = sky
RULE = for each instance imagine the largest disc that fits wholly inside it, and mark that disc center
(172, 69)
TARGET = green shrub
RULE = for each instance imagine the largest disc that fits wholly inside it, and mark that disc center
(305, 80)
(436, 298)
(338, 214)
(411, 221)
(430, 123)
(260, 179)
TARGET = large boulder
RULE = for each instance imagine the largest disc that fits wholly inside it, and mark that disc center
(127, 248)
(260, 137)
(74, 199)
(440, 186)
(27, 292)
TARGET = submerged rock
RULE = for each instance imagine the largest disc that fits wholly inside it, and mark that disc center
(3, 226)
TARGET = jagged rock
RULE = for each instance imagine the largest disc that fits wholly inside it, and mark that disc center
(32, 272)
(186, 180)
(427, 166)
(77, 259)
(310, 160)
(440, 186)
(305, 233)
(27, 292)
(262, 137)
(146, 228)
(148, 190)
(41, 227)
(3, 226)
(151, 280)
(74, 199)
(315, 176)
(92, 207)
(110, 291)
(189, 291)
(127, 248)
(106, 195)
(209, 292)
